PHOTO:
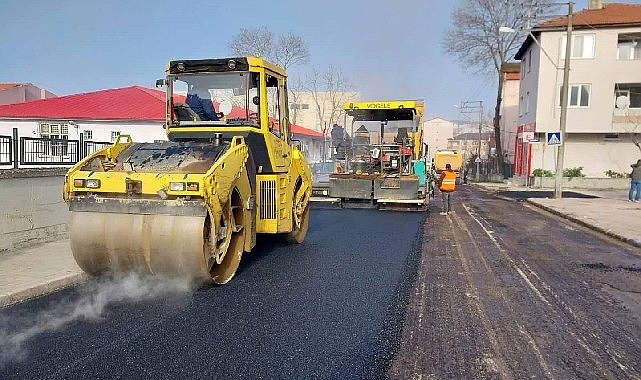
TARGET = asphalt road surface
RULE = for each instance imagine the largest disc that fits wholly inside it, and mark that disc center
(331, 308)
(496, 290)
(507, 292)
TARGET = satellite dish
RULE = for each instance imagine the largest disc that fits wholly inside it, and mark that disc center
(225, 107)
(623, 102)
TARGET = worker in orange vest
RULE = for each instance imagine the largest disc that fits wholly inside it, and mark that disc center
(447, 185)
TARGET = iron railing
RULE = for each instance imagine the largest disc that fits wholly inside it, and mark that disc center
(6, 153)
(19, 152)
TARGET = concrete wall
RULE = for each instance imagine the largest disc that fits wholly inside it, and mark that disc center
(585, 183)
(32, 210)
(592, 152)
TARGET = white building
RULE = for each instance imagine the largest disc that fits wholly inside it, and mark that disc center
(605, 65)
(436, 134)
(319, 111)
(509, 110)
(98, 117)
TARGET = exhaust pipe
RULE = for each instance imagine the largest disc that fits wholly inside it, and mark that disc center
(218, 139)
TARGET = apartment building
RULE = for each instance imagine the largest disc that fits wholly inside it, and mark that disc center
(604, 103)
(468, 144)
(437, 133)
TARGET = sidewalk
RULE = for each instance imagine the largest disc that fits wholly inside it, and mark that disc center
(609, 213)
(37, 270)
(44, 268)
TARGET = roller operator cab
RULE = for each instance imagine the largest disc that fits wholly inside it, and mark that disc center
(192, 205)
(379, 156)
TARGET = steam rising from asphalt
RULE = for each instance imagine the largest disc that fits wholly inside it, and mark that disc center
(89, 306)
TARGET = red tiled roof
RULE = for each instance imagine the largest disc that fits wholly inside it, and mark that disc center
(128, 103)
(296, 129)
(610, 14)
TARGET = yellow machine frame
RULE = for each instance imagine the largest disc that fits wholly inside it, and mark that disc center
(272, 197)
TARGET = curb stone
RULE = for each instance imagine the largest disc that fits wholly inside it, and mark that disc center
(43, 289)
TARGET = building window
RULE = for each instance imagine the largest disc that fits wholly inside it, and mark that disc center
(114, 135)
(87, 134)
(527, 102)
(629, 46)
(582, 46)
(57, 135)
(578, 96)
(611, 136)
(304, 106)
(521, 105)
(627, 96)
(529, 61)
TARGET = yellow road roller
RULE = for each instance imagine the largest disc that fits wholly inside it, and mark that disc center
(192, 205)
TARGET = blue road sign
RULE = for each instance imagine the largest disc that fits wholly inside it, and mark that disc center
(553, 138)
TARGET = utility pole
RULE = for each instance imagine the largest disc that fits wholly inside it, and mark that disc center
(558, 176)
(474, 107)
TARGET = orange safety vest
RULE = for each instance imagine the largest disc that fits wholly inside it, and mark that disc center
(448, 181)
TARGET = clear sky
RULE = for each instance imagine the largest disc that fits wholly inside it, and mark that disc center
(389, 49)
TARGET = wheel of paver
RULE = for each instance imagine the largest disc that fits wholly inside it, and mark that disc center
(225, 240)
(300, 217)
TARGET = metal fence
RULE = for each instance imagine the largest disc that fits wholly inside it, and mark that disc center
(18, 151)
(5, 150)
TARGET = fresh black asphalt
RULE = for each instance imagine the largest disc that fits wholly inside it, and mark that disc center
(330, 308)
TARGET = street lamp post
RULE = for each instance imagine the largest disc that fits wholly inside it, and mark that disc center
(558, 175)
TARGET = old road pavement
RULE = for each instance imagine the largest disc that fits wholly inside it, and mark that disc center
(505, 291)
(496, 290)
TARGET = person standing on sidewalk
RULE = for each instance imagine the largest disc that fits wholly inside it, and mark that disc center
(447, 185)
(635, 183)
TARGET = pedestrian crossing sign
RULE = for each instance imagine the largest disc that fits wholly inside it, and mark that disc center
(553, 138)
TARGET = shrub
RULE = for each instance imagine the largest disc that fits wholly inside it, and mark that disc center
(613, 174)
(541, 173)
(573, 172)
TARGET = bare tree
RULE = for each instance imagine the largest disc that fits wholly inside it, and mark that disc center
(636, 136)
(291, 50)
(252, 42)
(329, 90)
(474, 39)
(288, 51)
(294, 90)
(631, 120)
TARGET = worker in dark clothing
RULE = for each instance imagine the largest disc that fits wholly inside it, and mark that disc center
(199, 100)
